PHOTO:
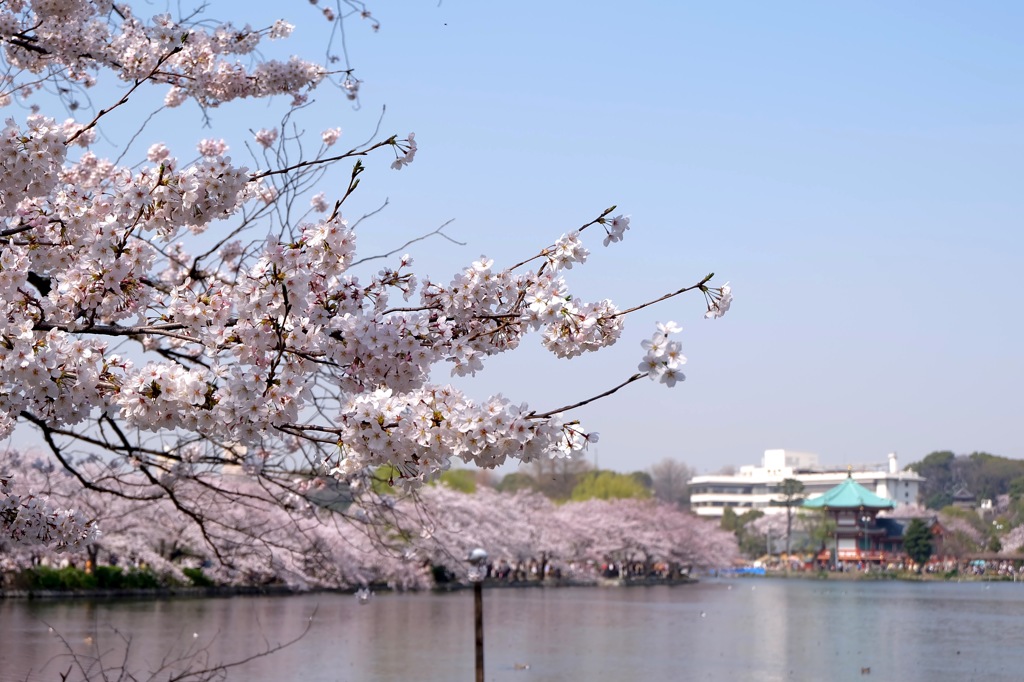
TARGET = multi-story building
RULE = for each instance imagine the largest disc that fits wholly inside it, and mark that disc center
(758, 487)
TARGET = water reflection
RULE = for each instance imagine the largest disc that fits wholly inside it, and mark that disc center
(763, 630)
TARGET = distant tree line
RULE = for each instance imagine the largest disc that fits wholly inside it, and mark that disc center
(562, 480)
(983, 475)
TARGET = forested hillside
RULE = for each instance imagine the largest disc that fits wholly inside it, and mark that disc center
(982, 474)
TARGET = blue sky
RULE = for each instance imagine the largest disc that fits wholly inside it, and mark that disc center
(854, 170)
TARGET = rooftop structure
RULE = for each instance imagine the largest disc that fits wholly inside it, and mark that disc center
(758, 487)
(849, 495)
(857, 535)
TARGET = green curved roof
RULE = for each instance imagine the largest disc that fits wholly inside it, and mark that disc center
(849, 495)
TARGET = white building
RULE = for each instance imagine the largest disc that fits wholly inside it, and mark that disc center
(758, 487)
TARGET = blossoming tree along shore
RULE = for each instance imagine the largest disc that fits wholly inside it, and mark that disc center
(179, 317)
(412, 541)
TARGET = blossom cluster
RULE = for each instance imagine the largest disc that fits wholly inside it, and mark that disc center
(566, 251)
(615, 229)
(30, 521)
(664, 356)
(43, 36)
(719, 300)
(405, 150)
(30, 160)
(101, 250)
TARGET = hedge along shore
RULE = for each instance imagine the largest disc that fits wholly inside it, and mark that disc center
(190, 592)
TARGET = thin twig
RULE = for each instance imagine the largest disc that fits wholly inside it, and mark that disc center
(317, 162)
(699, 285)
(438, 232)
(551, 413)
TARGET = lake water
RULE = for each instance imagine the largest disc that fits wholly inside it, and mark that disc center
(741, 629)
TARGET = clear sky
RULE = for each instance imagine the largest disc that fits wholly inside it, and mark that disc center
(853, 169)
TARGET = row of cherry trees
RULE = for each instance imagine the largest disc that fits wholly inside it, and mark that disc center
(396, 540)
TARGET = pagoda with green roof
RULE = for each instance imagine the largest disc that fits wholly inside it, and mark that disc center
(855, 508)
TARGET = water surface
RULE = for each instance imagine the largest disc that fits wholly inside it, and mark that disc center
(763, 630)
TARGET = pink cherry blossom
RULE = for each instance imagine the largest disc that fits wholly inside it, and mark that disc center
(330, 136)
(175, 315)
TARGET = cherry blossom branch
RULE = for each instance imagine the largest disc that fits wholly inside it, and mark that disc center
(544, 252)
(166, 329)
(370, 214)
(546, 415)
(391, 141)
(124, 98)
(26, 42)
(265, 351)
(702, 285)
(17, 230)
(297, 428)
(48, 433)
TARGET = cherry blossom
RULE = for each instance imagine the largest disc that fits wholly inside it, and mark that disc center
(615, 228)
(719, 300)
(319, 202)
(266, 136)
(1012, 541)
(664, 357)
(322, 534)
(27, 520)
(175, 318)
(407, 149)
(330, 136)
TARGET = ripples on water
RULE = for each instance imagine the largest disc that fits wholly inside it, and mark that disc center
(763, 630)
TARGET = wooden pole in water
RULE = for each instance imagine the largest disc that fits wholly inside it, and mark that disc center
(478, 571)
(478, 613)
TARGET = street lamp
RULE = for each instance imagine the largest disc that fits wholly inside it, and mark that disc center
(477, 571)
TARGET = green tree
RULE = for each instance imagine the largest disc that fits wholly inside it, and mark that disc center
(1016, 489)
(644, 479)
(791, 496)
(991, 475)
(917, 542)
(938, 486)
(821, 528)
(983, 474)
(463, 480)
(750, 544)
(383, 479)
(608, 485)
(729, 520)
(516, 481)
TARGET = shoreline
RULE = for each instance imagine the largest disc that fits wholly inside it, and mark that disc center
(881, 576)
(214, 592)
